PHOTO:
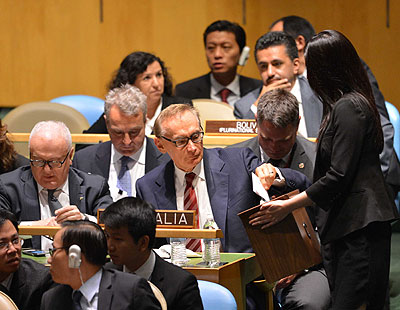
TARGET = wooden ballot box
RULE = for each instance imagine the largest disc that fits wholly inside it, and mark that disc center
(284, 248)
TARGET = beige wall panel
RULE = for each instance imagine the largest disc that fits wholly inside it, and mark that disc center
(51, 48)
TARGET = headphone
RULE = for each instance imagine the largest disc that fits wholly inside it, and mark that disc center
(244, 56)
(74, 256)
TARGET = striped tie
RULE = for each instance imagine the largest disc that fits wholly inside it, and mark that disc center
(190, 203)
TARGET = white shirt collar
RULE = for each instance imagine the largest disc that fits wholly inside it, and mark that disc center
(216, 87)
(139, 156)
(198, 171)
(64, 188)
(90, 288)
(146, 269)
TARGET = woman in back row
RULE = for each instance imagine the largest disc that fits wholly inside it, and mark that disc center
(148, 73)
(353, 209)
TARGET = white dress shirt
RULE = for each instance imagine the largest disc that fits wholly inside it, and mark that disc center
(200, 187)
(90, 291)
(234, 87)
(297, 93)
(136, 170)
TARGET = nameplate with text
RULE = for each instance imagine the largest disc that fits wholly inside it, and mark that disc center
(243, 127)
(176, 218)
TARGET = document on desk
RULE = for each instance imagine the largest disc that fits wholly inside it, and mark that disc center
(258, 188)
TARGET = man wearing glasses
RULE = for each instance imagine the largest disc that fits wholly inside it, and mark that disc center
(129, 154)
(23, 280)
(49, 191)
(217, 183)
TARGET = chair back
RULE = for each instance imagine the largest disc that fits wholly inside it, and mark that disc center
(91, 107)
(24, 117)
(159, 296)
(6, 303)
(211, 109)
(215, 296)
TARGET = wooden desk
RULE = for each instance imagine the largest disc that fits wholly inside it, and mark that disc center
(241, 269)
(160, 232)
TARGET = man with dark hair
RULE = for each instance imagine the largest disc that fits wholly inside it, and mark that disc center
(224, 42)
(277, 142)
(23, 280)
(130, 226)
(129, 154)
(277, 60)
(78, 254)
(302, 31)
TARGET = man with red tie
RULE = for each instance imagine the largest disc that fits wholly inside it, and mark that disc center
(216, 182)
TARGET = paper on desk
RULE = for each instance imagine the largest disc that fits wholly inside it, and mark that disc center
(166, 252)
(258, 188)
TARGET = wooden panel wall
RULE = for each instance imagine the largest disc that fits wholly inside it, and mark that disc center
(51, 48)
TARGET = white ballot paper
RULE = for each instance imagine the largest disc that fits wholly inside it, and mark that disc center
(258, 188)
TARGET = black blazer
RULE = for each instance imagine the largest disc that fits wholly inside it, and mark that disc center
(200, 87)
(19, 194)
(118, 290)
(28, 284)
(96, 158)
(349, 188)
(178, 286)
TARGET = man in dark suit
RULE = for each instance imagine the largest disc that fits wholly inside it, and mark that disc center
(221, 178)
(130, 226)
(78, 254)
(49, 191)
(277, 142)
(224, 42)
(302, 31)
(125, 115)
(277, 60)
(23, 280)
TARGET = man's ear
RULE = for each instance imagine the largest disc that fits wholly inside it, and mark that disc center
(300, 43)
(159, 145)
(296, 66)
(143, 243)
(71, 154)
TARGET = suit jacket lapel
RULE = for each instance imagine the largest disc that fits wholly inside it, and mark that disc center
(152, 155)
(103, 159)
(203, 87)
(165, 194)
(157, 276)
(312, 108)
(31, 197)
(217, 187)
(105, 292)
(76, 196)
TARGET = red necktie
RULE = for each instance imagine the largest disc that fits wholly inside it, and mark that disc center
(190, 203)
(224, 94)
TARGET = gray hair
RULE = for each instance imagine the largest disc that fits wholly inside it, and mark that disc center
(279, 107)
(129, 99)
(52, 128)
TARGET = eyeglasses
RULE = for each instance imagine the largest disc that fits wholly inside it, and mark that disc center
(4, 246)
(196, 137)
(53, 250)
(50, 163)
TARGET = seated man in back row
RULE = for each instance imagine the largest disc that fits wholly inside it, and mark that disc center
(130, 226)
(49, 191)
(224, 42)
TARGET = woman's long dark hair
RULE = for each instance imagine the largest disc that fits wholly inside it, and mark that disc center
(334, 70)
(135, 64)
(7, 150)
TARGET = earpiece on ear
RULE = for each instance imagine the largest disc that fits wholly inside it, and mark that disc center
(244, 56)
(74, 256)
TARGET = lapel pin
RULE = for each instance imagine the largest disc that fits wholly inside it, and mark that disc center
(81, 198)
(301, 165)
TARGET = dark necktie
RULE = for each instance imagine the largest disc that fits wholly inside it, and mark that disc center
(124, 176)
(76, 299)
(276, 162)
(54, 204)
(190, 203)
(224, 94)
